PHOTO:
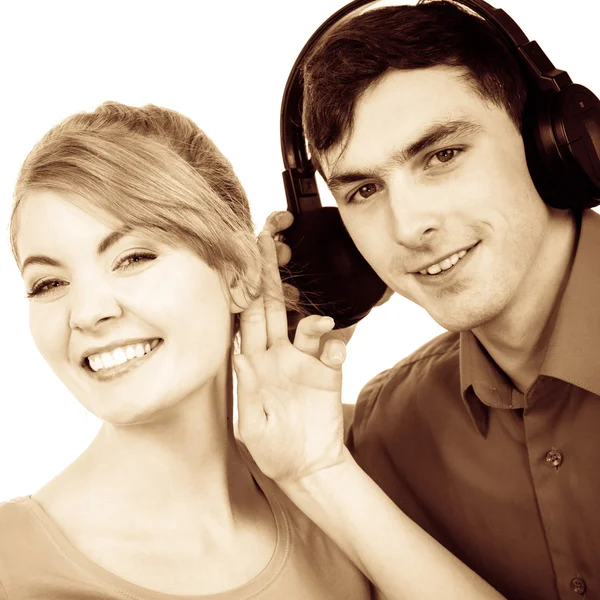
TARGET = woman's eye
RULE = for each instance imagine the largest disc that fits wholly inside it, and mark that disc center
(134, 259)
(445, 156)
(45, 287)
(363, 193)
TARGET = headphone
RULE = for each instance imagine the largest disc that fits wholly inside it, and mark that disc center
(561, 133)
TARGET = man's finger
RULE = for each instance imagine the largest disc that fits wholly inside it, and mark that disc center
(284, 253)
(278, 221)
(275, 312)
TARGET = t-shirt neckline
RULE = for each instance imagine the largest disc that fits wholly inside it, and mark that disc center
(135, 592)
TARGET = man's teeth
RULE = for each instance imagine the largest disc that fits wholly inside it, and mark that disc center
(444, 265)
(121, 355)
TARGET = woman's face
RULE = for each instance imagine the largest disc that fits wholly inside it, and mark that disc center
(129, 324)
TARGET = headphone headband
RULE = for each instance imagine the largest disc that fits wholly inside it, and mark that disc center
(293, 148)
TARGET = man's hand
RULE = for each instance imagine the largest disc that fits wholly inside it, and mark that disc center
(289, 394)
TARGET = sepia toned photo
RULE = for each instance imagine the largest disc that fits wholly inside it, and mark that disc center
(302, 301)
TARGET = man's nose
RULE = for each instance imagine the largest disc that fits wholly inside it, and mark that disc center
(415, 215)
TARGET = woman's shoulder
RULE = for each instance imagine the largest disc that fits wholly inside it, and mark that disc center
(20, 533)
(20, 529)
(30, 544)
(15, 514)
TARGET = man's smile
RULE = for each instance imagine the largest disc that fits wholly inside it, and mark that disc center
(449, 265)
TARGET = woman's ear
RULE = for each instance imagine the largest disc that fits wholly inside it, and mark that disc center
(244, 288)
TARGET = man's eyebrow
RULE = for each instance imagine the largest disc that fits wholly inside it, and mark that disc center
(110, 240)
(434, 134)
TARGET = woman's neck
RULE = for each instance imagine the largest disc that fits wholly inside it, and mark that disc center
(181, 470)
(169, 505)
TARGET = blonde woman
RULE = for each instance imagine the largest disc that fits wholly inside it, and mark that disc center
(135, 242)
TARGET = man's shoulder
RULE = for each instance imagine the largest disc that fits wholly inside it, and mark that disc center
(438, 350)
(437, 354)
(434, 364)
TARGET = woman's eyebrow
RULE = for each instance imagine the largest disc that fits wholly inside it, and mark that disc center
(110, 240)
(434, 134)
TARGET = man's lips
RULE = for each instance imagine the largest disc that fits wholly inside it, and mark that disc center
(444, 257)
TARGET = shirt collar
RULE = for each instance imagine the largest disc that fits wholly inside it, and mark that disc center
(573, 349)
(481, 381)
(573, 353)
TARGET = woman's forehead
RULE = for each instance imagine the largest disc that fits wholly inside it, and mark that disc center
(44, 216)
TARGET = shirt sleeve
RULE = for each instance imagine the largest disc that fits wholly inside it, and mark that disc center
(362, 409)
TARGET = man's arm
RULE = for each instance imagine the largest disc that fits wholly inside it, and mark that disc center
(396, 554)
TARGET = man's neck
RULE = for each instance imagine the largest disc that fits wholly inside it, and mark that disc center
(517, 339)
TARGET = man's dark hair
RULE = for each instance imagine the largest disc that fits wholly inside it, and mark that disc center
(359, 51)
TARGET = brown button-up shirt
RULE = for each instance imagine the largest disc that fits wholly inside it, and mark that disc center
(508, 482)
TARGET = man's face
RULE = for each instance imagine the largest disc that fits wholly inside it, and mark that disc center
(433, 186)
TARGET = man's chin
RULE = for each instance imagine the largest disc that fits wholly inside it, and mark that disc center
(465, 321)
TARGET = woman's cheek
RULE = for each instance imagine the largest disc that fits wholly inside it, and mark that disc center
(50, 330)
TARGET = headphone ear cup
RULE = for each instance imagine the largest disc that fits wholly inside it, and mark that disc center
(562, 141)
(331, 275)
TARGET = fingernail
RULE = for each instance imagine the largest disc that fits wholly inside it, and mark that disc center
(327, 320)
(336, 356)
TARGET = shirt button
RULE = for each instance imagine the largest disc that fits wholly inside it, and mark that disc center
(554, 457)
(578, 585)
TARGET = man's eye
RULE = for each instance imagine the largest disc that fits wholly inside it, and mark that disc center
(444, 156)
(363, 193)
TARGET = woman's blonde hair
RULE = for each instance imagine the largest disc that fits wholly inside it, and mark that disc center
(154, 170)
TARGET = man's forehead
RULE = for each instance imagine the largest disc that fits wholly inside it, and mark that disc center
(414, 83)
(399, 108)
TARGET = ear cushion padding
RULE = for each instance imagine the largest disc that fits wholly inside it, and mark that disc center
(333, 277)
(562, 140)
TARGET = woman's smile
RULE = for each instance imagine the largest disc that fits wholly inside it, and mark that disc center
(121, 360)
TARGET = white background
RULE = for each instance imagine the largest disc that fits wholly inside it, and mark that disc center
(224, 64)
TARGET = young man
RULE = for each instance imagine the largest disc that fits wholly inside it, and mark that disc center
(487, 436)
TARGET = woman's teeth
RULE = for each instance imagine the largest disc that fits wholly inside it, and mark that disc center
(121, 355)
(444, 265)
